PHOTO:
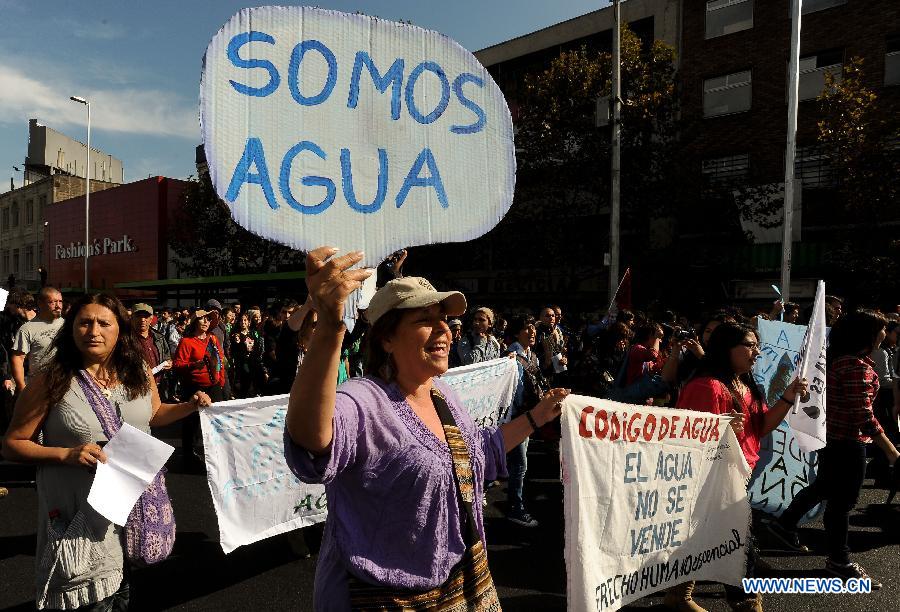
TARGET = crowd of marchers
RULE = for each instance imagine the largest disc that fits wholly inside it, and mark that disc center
(161, 365)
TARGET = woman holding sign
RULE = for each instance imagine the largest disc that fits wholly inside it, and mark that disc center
(402, 462)
(724, 385)
(81, 555)
(851, 425)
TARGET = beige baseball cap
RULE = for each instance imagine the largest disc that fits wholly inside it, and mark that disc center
(413, 292)
(142, 307)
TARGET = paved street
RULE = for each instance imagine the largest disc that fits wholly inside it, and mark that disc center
(528, 565)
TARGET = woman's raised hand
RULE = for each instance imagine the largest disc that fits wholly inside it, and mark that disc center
(549, 407)
(737, 421)
(330, 281)
(798, 388)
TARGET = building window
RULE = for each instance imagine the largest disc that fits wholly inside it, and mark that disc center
(728, 16)
(29, 258)
(726, 172)
(15, 261)
(4, 219)
(6, 261)
(14, 214)
(29, 212)
(727, 94)
(892, 61)
(812, 167)
(813, 69)
(812, 6)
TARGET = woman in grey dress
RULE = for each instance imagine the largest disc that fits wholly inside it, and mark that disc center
(80, 554)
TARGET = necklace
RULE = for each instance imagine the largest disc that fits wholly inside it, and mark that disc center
(103, 384)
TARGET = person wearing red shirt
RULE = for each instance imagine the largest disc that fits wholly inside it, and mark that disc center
(850, 425)
(200, 364)
(724, 385)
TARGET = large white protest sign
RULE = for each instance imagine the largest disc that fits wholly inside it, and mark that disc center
(486, 389)
(807, 417)
(653, 497)
(783, 469)
(322, 127)
(254, 493)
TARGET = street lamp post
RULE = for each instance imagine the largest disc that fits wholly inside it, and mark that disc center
(616, 168)
(87, 190)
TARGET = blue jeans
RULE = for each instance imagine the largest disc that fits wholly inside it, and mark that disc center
(516, 466)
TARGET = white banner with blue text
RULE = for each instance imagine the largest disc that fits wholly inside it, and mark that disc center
(256, 495)
(486, 389)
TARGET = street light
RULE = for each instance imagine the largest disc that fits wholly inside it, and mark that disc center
(87, 190)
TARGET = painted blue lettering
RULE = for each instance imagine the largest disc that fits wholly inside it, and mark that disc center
(309, 181)
(414, 180)
(253, 154)
(347, 182)
(294, 72)
(234, 45)
(433, 116)
(392, 78)
(473, 106)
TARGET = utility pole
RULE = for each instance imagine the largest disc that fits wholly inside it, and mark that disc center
(791, 150)
(616, 169)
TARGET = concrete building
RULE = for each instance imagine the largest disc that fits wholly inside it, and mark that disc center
(51, 152)
(54, 171)
(509, 61)
(734, 91)
(22, 216)
(732, 87)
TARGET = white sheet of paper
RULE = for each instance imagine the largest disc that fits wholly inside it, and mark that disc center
(159, 368)
(3, 295)
(133, 459)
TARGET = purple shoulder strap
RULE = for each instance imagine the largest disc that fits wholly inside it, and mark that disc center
(106, 414)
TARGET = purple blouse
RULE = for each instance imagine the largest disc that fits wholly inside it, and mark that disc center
(394, 515)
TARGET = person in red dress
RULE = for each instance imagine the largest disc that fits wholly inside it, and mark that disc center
(724, 385)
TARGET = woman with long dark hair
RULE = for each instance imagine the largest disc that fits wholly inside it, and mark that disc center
(850, 425)
(83, 564)
(724, 385)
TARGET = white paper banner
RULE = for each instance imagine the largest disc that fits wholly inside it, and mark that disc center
(323, 127)
(653, 497)
(486, 389)
(807, 417)
(254, 493)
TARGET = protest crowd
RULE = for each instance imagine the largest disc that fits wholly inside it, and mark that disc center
(199, 355)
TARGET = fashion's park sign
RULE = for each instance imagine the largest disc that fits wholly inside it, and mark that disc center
(104, 246)
(322, 127)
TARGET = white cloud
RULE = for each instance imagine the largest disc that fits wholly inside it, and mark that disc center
(128, 110)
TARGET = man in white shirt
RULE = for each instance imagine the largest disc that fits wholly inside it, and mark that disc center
(34, 337)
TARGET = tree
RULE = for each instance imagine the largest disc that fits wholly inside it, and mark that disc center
(208, 242)
(861, 139)
(564, 156)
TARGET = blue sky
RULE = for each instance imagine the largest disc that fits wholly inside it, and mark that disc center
(139, 64)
